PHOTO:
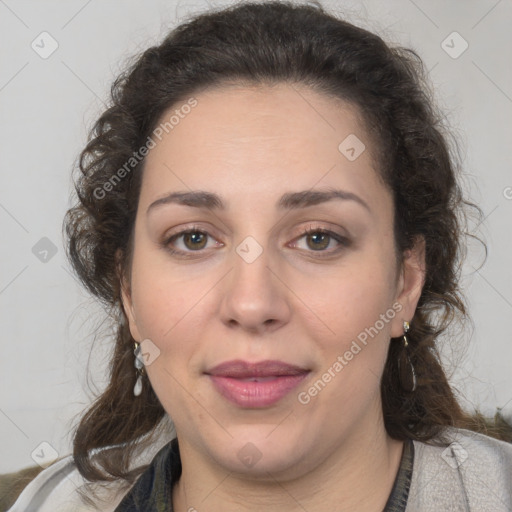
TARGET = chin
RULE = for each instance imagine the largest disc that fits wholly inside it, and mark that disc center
(259, 454)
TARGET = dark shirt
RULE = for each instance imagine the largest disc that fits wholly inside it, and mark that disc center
(152, 491)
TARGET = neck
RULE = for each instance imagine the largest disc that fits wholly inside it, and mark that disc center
(358, 475)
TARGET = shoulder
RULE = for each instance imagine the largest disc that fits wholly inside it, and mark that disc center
(11, 484)
(461, 470)
(57, 488)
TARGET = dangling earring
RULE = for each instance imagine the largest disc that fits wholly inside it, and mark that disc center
(139, 365)
(406, 372)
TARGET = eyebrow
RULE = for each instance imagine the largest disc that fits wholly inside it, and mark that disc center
(288, 201)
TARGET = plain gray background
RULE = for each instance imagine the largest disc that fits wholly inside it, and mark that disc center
(47, 106)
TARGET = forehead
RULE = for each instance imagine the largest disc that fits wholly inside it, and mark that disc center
(260, 140)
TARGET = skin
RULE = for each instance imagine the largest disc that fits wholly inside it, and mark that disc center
(250, 145)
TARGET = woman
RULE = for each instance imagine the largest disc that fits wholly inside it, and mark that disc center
(270, 209)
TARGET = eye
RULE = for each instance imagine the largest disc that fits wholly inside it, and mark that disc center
(195, 240)
(320, 239)
(188, 240)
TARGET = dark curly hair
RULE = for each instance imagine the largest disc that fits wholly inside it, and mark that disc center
(257, 44)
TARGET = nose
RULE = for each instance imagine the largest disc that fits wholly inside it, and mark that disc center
(254, 297)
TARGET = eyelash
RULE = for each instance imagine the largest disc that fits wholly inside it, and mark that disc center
(341, 240)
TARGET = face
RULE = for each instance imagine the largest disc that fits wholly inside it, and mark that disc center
(268, 270)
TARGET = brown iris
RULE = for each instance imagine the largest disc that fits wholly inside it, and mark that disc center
(324, 238)
(197, 240)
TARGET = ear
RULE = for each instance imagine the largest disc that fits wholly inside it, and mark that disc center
(409, 286)
(126, 298)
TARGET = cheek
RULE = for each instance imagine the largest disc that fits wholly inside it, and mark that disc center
(163, 296)
(358, 309)
(158, 308)
(355, 299)
(172, 310)
(170, 313)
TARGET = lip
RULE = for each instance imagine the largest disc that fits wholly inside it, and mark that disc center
(239, 369)
(255, 385)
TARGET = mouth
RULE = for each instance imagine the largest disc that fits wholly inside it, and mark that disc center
(259, 379)
(255, 385)
(239, 369)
